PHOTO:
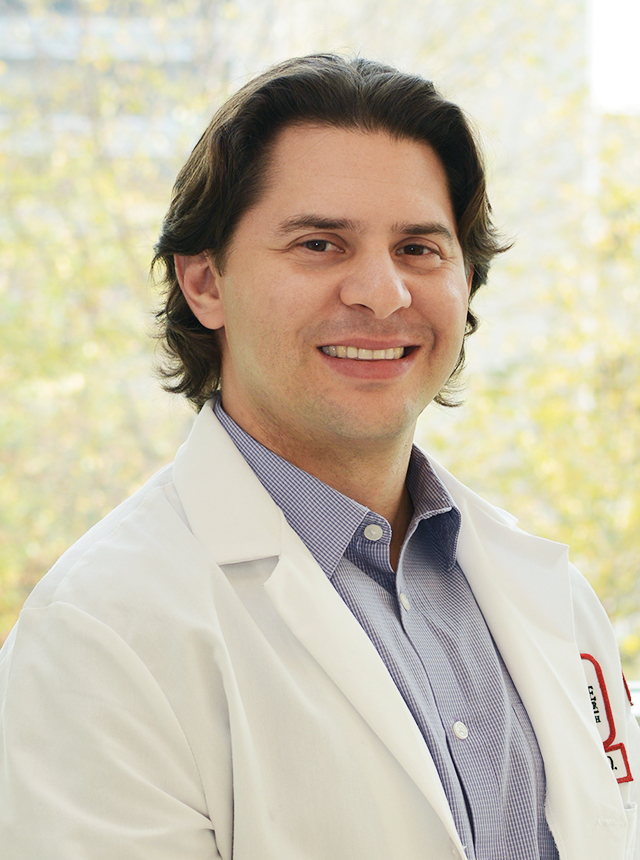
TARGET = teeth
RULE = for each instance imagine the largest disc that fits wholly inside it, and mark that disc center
(363, 354)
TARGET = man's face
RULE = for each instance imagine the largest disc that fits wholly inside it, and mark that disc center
(352, 245)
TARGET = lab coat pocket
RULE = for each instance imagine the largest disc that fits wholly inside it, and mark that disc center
(632, 817)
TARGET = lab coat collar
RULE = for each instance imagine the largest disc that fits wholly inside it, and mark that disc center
(228, 509)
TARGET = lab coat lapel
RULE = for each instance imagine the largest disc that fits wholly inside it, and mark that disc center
(522, 585)
(321, 621)
(235, 519)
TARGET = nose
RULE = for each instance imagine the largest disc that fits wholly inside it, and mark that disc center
(375, 283)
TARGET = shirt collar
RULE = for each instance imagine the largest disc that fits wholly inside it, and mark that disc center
(325, 519)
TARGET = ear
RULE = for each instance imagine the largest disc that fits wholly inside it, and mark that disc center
(200, 283)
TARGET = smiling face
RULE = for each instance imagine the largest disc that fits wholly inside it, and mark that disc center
(343, 300)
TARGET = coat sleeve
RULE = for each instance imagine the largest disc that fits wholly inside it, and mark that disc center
(93, 762)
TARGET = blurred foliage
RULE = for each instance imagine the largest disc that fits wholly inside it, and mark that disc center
(81, 422)
(105, 98)
(554, 436)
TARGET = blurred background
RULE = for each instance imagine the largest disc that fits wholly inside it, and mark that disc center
(100, 103)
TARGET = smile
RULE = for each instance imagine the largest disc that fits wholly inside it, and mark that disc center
(363, 354)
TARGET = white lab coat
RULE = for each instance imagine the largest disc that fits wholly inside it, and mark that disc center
(185, 684)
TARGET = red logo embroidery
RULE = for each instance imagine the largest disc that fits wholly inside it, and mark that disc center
(616, 753)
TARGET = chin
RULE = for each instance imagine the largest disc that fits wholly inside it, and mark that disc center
(374, 424)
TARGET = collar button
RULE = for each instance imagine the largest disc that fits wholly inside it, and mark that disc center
(373, 532)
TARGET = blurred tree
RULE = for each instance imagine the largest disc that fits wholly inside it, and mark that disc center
(555, 435)
(102, 100)
(81, 420)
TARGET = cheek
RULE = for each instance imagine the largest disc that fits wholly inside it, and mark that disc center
(244, 308)
(457, 299)
(258, 333)
(265, 297)
(445, 307)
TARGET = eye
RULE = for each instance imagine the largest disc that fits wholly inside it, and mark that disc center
(414, 249)
(320, 245)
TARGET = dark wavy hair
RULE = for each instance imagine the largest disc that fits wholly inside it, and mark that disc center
(224, 176)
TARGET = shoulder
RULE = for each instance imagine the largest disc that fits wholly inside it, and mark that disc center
(129, 569)
(158, 554)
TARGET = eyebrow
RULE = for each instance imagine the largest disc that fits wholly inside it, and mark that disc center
(427, 229)
(318, 222)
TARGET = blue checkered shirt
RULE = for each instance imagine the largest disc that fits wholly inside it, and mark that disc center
(431, 635)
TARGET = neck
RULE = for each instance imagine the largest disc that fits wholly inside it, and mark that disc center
(372, 472)
(375, 479)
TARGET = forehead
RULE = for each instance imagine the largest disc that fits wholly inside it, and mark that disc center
(350, 173)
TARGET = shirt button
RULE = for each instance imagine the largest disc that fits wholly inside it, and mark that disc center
(373, 532)
(460, 730)
(404, 600)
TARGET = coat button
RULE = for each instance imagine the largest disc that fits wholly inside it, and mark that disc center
(460, 730)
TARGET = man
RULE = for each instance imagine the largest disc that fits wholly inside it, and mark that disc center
(304, 639)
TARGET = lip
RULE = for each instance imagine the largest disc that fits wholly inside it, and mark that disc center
(367, 343)
(375, 371)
